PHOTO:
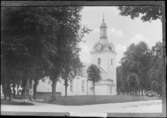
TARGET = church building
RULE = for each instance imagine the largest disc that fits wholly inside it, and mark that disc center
(103, 56)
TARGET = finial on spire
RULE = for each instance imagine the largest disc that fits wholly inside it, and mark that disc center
(103, 17)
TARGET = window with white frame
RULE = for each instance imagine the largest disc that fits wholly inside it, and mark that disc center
(111, 61)
(83, 83)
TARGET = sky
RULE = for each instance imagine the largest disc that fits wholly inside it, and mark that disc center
(122, 30)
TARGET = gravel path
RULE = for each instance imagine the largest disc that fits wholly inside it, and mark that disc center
(151, 106)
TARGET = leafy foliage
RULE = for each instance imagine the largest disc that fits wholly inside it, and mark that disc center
(146, 64)
(39, 41)
(147, 13)
(93, 74)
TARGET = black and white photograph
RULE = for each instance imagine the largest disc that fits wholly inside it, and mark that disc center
(84, 59)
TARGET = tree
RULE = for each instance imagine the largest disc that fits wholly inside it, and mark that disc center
(157, 70)
(147, 64)
(37, 72)
(121, 81)
(70, 34)
(70, 70)
(38, 34)
(133, 83)
(148, 13)
(24, 31)
(136, 60)
(67, 41)
(93, 75)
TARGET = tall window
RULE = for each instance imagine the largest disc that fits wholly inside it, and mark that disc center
(110, 90)
(83, 83)
(111, 61)
(99, 61)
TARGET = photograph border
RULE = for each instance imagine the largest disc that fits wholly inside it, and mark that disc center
(106, 3)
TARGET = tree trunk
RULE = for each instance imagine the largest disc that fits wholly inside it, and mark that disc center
(87, 87)
(142, 92)
(9, 92)
(137, 92)
(17, 90)
(23, 89)
(65, 90)
(4, 91)
(93, 88)
(66, 86)
(30, 90)
(35, 88)
(53, 89)
(14, 90)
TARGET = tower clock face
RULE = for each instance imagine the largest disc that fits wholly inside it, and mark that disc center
(110, 48)
(99, 46)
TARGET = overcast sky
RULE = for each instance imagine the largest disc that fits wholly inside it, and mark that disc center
(122, 31)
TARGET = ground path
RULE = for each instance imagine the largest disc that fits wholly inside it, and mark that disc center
(150, 106)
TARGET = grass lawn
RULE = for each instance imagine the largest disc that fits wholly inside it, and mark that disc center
(88, 100)
(81, 100)
(16, 102)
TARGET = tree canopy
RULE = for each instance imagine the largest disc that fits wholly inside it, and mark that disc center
(40, 41)
(145, 63)
(93, 74)
(148, 13)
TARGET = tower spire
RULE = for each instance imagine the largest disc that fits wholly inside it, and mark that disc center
(103, 29)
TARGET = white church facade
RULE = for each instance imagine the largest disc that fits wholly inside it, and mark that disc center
(103, 56)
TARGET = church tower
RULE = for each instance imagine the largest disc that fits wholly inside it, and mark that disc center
(103, 55)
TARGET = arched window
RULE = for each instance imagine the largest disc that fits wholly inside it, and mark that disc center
(99, 61)
(111, 61)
